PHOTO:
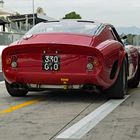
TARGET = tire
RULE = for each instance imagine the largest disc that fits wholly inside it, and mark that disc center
(134, 82)
(119, 89)
(16, 90)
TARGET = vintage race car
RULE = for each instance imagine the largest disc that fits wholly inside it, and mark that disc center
(71, 54)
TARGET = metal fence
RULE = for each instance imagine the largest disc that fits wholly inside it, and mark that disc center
(7, 38)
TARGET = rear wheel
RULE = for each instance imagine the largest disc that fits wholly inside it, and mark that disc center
(119, 89)
(16, 90)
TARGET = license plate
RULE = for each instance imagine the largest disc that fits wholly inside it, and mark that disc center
(51, 63)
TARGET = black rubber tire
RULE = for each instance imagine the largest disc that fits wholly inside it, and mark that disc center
(119, 89)
(134, 82)
(16, 92)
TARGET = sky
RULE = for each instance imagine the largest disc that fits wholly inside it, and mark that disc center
(116, 12)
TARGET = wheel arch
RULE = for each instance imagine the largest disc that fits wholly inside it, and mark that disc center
(116, 66)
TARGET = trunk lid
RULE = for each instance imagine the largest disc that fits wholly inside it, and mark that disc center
(58, 38)
(73, 52)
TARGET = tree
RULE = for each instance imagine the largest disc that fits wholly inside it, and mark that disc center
(72, 15)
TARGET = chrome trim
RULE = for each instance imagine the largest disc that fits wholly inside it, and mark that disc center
(100, 29)
(55, 86)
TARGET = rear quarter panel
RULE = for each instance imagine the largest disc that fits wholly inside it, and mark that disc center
(112, 51)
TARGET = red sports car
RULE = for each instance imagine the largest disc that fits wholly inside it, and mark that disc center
(71, 54)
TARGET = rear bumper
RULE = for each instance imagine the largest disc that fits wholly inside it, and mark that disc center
(53, 78)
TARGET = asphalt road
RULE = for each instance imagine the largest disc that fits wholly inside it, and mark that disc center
(45, 115)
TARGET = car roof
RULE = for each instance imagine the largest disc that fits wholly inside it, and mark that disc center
(81, 20)
(74, 20)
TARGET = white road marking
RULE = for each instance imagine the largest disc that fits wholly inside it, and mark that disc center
(79, 129)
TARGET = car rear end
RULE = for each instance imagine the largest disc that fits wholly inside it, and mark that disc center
(56, 54)
(44, 65)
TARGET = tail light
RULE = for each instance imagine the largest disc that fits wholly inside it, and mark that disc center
(92, 63)
(96, 62)
(8, 61)
(14, 64)
(90, 66)
(12, 61)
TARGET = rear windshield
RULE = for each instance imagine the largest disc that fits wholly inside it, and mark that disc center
(88, 28)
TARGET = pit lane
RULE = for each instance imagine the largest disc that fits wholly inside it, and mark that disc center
(46, 115)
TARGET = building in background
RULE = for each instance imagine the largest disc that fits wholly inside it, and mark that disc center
(13, 25)
(15, 22)
(22, 23)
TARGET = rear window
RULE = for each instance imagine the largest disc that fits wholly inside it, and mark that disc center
(88, 28)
